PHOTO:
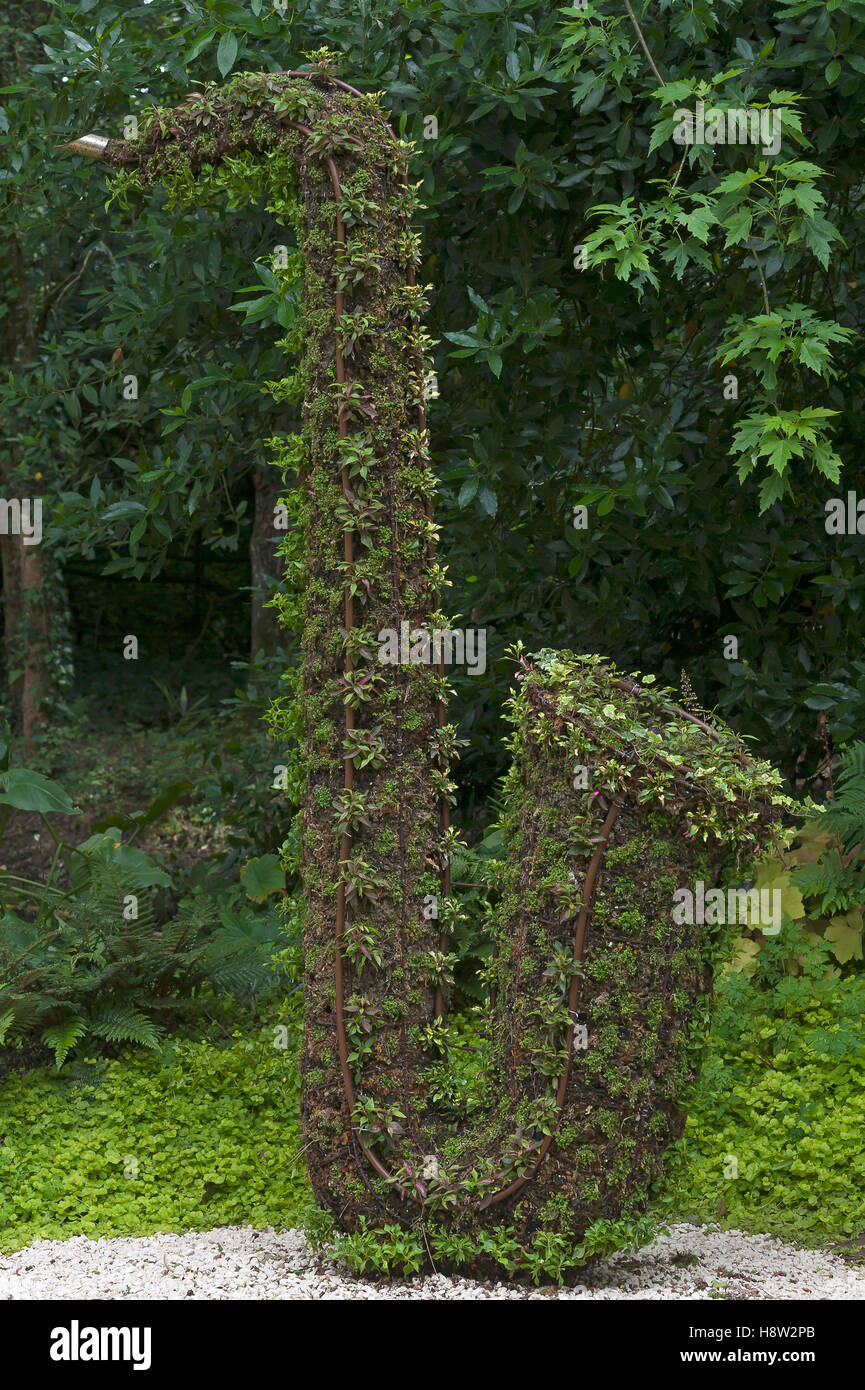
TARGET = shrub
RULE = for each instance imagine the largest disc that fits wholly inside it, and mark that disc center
(820, 873)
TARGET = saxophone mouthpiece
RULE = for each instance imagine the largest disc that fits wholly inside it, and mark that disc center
(91, 146)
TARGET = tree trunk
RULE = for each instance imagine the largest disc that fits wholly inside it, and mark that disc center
(11, 561)
(25, 607)
(36, 681)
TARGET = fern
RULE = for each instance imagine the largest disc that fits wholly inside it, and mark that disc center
(237, 975)
(62, 1037)
(835, 883)
(118, 1023)
(853, 762)
(846, 814)
(836, 887)
(89, 976)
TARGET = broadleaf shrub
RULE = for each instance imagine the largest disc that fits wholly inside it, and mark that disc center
(820, 874)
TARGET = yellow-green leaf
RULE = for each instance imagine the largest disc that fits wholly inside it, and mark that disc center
(845, 934)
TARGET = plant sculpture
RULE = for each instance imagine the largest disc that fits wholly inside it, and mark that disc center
(616, 796)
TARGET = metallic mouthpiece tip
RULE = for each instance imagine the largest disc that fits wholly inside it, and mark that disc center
(93, 146)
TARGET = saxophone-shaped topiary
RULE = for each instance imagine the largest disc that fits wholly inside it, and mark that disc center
(615, 799)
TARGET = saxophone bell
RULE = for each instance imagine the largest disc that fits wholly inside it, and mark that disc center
(91, 146)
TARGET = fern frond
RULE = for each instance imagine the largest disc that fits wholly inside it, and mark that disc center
(837, 888)
(118, 1024)
(846, 814)
(63, 1036)
(852, 766)
(237, 976)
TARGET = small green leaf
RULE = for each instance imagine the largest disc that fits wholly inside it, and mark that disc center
(467, 492)
(262, 876)
(30, 791)
(487, 500)
(200, 44)
(226, 53)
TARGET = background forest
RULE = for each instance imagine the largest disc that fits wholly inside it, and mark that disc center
(648, 371)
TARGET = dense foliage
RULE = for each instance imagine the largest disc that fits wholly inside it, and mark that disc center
(559, 387)
(84, 961)
(603, 487)
(773, 1140)
(199, 1136)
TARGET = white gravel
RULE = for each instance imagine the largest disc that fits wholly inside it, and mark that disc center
(236, 1262)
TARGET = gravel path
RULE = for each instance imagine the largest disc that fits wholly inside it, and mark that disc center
(240, 1263)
